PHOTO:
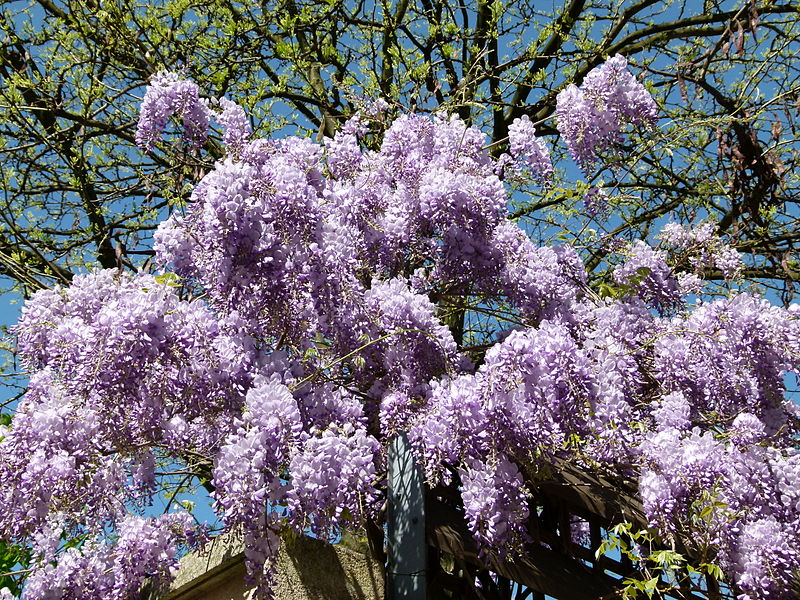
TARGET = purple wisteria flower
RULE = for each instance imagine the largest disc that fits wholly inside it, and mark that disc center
(591, 117)
(318, 300)
(169, 94)
(596, 201)
(235, 124)
(704, 248)
(495, 503)
(529, 150)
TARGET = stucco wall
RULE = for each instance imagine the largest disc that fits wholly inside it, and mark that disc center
(308, 569)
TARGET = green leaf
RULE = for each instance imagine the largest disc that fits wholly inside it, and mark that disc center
(621, 528)
(605, 546)
(650, 586)
(714, 570)
(170, 279)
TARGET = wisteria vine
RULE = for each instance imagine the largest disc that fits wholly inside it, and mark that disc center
(316, 315)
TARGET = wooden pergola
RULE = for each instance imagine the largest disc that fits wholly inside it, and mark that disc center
(553, 565)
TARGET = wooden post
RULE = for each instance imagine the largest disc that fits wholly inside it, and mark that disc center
(407, 556)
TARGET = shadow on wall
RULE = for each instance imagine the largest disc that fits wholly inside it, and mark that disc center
(329, 572)
(308, 569)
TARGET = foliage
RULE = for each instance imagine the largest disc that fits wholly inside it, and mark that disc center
(320, 299)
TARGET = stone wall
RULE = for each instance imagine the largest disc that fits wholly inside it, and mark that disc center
(308, 569)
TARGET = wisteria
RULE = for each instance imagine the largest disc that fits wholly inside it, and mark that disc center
(316, 300)
(702, 248)
(234, 121)
(591, 117)
(528, 149)
(596, 201)
(145, 548)
(495, 502)
(169, 94)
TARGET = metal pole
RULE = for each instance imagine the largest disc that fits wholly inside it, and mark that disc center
(406, 524)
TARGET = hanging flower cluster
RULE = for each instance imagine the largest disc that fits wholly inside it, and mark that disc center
(591, 117)
(330, 277)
